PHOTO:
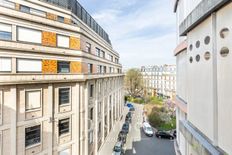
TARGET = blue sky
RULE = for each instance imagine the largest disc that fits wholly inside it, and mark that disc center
(141, 31)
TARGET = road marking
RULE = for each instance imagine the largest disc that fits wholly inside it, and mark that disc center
(134, 151)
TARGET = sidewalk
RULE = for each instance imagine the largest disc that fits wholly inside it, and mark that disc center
(107, 147)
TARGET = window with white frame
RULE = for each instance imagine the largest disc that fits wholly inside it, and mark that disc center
(29, 65)
(88, 47)
(98, 52)
(5, 31)
(91, 137)
(64, 126)
(64, 96)
(62, 41)
(33, 99)
(5, 64)
(29, 35)
(32, 135)
(90, 68)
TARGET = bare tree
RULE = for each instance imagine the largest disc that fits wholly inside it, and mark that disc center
(134, 82)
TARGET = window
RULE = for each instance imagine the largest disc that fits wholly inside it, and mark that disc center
(64, 126)
(33, 99)
(104, 69)
(5, 32)
(26, 35)
(91, 137)
(7, 4)
(32, 135)
(24, 8)
(88, 47)
(99, 107)
(91, 114)
(5, 64)
(102, 54)
(91, 90)
(62, 41)
(99, 128)
(63, 67)
(60, 19)
(98, 52)
(90, 68)
(29, 65)
(64, 96)
(37, 12)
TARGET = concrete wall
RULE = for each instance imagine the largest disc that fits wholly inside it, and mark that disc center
(224, 75)
(200, 80)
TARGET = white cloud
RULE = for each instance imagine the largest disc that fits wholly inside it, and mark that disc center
(123, 24)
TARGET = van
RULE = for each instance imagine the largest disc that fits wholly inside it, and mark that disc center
(147, 129)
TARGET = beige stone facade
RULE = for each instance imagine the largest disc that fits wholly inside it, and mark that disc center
(56, 97)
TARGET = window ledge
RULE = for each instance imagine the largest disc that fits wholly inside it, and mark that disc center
(32, 146)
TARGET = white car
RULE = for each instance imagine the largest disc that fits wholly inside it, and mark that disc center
(147, 129)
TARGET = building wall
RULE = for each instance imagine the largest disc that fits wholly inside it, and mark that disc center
(30, 65)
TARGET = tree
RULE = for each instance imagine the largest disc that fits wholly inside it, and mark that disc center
(134, 82)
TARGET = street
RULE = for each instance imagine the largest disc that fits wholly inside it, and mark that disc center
(137, 142)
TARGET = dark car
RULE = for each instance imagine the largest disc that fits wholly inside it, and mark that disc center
(129, 114)
(128, 119)
(163, 134)
(132, 109)
(122, 137)
(125, 128)
(118, 149)
(174, 133)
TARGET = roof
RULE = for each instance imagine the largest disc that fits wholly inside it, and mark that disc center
(181, 47)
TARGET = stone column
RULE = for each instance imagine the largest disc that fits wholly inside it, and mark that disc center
(51, 116)
(13, 119)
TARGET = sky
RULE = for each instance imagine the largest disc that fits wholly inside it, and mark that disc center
(143, 32)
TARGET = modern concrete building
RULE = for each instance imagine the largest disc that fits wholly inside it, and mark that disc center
(203, 57)
(61, 86)
(160, 80)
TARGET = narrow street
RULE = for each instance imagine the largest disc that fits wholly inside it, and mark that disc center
(137, 142)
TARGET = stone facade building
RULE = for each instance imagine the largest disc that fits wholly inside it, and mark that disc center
(61, 86)
(160, 80)
(203, 57)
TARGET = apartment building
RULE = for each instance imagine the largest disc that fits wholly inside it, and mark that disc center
(203, 61)
(159, 80)
(61, 86)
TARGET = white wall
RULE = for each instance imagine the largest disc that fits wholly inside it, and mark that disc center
(200, 81)
(181, 62)
(224, 72)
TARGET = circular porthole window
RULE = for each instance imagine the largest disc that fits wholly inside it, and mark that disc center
(224, 33)
(198, 58)
(191, 59)
(191, 47)
(207, 40)
(198, 44)
(207, 55)
(224, 51)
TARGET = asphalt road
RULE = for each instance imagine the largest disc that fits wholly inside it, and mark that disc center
(138, 143)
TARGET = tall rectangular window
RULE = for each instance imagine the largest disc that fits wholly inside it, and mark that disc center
(5, 64)
(64, 96)
(98, 52)
(33, 99)
(29, 35)
(88, 47)
(90, 137)
(91, 114)
(102, 54)
(63, 67)
(29, 65)
(64, 126)
(62, 41)
(90, 68)
(5, 32)
(91, 90)
(32, 135)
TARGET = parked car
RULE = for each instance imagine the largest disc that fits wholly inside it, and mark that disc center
(129, 114)
(125, 128)
(147, 129)
(122, 137)
(132, 109)
(174, 133)
(164, 134)
(128, 119)
(129, 105)
(118, 149)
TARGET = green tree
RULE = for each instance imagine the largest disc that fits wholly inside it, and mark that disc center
(134, 82)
